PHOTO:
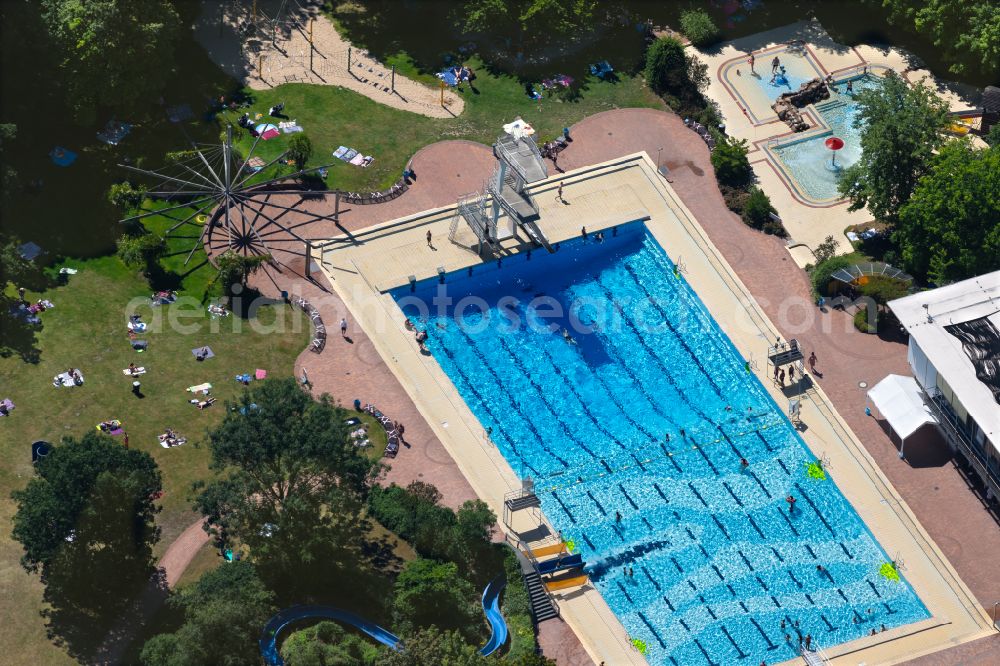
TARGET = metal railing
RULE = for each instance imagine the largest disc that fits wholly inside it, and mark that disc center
(955, 433)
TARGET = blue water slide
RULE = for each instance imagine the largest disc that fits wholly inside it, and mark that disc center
(278, 623)
(560, 563)
(491, 607)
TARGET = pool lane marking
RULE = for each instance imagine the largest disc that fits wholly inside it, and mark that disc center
(753, 524)
(697, 494)
(787, 520)
(816, 509)
(538, 389)
(651, 629)
(721, 528)
(627, 497)
(673, 330)
(599, 507)
(564, 507)
(725, 484)
(743, 655)
(485, 405)
(707, 657)
(770, 644)
(572, 389)
(651, 579)
(656, 359)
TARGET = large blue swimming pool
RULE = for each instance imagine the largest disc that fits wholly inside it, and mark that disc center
(697, 556)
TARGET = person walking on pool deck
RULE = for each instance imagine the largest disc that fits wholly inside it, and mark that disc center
(776, 369)
(559, 194)
(750, 62)
(343, 326)
(812, 361)
(791, 373)
(429, 237)
(781, 376)
(774, 65)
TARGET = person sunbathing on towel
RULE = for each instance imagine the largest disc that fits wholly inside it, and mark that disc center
(132, 370)
(206, 403)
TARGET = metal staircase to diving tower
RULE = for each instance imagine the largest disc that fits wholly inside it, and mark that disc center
(519, 163)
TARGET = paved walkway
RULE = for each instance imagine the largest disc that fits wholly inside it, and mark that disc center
(931, 486)
(283, 57)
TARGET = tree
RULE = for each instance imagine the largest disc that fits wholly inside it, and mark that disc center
(85, 521)
(433, 593)
(327, 644)
(671, 71)
(530, 20)
(223, 614)
(729, 159)
(901, 127)
(142, 251)
(825, 250)
(882, 289)
(950, 228)
(113, 52)
(8, 174)
(699, 27)
(967, 33)
(290, 483)
(17, 335)
(126, 197)
(299, 150)
(235, 268)
(433, 646)
(435, 531)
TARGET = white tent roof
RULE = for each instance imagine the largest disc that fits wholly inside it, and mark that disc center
(898, 399)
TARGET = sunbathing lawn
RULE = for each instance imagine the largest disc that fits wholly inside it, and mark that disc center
(333, 116)
(86, 329)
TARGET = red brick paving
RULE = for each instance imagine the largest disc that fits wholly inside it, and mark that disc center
(931, 486)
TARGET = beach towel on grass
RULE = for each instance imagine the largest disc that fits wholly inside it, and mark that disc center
(133, 373)
(359, 160)
(8, 406)
(206, 387)
(349, 155)
(261, 374)
(340, 152)
(204, 352)
(65, 379)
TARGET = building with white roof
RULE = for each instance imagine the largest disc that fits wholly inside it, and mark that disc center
(954, 352)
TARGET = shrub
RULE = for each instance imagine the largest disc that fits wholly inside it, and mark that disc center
(862, 322)
(699, 27)
(825, 250)
(299, 150)
(758, 208)
(125, 197)
(730, 162)
(141, 251)
(735, 198)
(822, 274)
(671, 72)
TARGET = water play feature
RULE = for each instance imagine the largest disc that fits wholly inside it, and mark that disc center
(805, 160)
(276, 625)
(834, 143)
(634, 424)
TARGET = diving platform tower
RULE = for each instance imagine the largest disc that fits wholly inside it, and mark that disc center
(519, 164)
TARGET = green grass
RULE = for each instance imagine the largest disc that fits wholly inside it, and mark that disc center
(333, 116)
(87, 330)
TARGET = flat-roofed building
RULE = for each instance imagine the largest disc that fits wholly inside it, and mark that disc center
(954, 351)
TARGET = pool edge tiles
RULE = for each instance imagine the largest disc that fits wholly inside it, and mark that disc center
(468, 354)
(736, 313)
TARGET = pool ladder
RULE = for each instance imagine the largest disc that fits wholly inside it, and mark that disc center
(813, 656)
(995, 606)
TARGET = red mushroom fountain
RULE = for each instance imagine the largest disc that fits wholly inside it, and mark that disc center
(834, 143)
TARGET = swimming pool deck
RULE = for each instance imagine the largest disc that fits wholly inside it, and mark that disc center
(748, 114)
(603, 196)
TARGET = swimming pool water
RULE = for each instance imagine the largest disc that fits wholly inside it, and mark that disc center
(717, 562)
(807, 160)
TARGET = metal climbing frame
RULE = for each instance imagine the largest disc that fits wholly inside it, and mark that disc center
(472, 208)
